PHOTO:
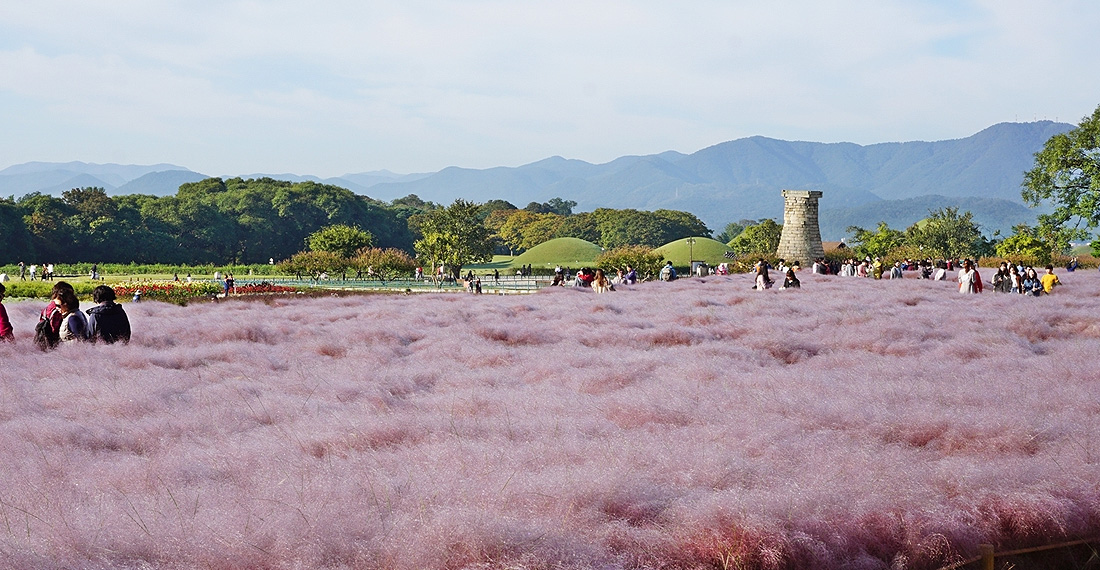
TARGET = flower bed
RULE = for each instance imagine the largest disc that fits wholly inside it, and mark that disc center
(171, 291)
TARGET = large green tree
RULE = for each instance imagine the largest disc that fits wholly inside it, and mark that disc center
(524, 230)
(1066, 176)
(313, 263)
(487, 209)
(512, 231)
(341, 239)
(101, 227)
(453, 236)
(581, 226)
(552, 206)
(875, 243)
(560, 207)
(384, 263)
(677, 224)
(17, 240)
(761, 239)
(52, 239)
(732, 230)
(946, 233)
(1024, 244)
(203, 226)
(627, 227)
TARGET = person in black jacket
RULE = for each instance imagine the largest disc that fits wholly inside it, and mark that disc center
(107, 321)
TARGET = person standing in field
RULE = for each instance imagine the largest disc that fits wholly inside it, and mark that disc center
(107, 320)
(23, 271)
(1001, 283)
(1050, 280)
(5, 323)
(969, 279)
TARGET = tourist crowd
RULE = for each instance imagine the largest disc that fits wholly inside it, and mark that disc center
(1007, 278)
(62, 321)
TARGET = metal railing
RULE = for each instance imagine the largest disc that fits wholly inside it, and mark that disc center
(988, 555)
(506, 284)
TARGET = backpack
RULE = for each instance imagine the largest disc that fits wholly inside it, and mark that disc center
(44, 335)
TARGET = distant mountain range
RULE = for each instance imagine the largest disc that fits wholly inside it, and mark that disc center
(53, 178)
(893, 182)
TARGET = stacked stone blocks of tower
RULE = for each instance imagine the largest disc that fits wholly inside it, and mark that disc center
(801, 237)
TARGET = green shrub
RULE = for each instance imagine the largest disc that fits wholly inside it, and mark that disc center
(645, 260)
(901, 253)
(42, 289)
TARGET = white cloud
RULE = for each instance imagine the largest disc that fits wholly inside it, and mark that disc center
(413, 86)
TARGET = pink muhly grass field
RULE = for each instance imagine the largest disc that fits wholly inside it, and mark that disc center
(696, 424)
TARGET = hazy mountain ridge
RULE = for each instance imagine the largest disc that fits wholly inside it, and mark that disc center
(742, 178)
(159, 183)
(725, 182)
(109, 171)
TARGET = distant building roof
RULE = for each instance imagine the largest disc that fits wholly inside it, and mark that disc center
(832, 245)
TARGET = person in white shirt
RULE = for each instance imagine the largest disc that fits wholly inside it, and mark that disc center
(969, 279)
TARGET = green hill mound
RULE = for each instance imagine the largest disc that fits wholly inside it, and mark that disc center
(569, 252)
(705, 249)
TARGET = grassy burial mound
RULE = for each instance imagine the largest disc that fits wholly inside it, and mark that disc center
(705, 249)
(875, 424)
(569, 252)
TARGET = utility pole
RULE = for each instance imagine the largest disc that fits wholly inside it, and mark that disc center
(691, 255)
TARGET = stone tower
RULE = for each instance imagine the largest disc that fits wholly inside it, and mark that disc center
(801, 239)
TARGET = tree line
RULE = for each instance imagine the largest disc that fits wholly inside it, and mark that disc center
(247, 221)
(212, 221)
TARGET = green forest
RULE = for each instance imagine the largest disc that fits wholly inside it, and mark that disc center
(247, 221)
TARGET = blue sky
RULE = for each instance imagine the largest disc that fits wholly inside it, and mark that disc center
(327, 88)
